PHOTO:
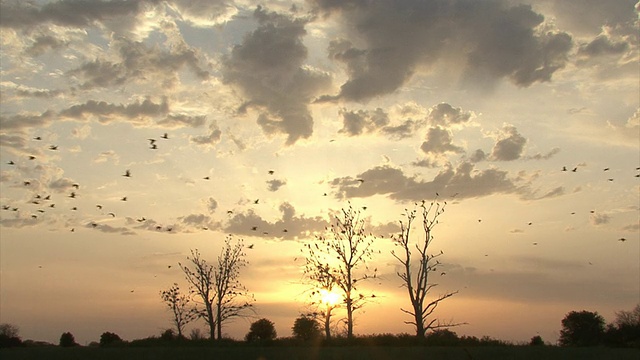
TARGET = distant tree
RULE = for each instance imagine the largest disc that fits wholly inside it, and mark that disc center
(180, 307)
(261, 330)
(9, 336)
(196, 334)
(625, 330)
(536, 341)
(415, 272)
(442, 337)
(67, 340)
(168, 335)
(109, 338)
(582, 328)
(218, 287)
(306, 328)
(341, 256)
(628, 318)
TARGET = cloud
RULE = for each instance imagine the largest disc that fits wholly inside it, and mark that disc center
(211, 139)
(355, 123)
(509, 146)
(439, 142)
(275, 184)
(288, 227)
(21, 121)
(390, 181)
(139, 62)
(212, 205)
(71, 13)
(395, 40)
(599, 219)
(138, 111)
(603, 45)
(106, 228)
(268, 67)
(204, 13)
(546, 156)
(445, 115)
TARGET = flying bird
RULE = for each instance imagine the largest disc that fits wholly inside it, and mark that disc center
(165, 136)
(622, 239)
(31, 157)
(250, 246)
(271, 172)
(206, 178)
(11, 162)
(574, 169)
(127, 173)
(53, 147)
(256, 201)
(564, 168)
(254, 228)
(124, 198)
(76, 186)
(606, 169)
(37, 138)
(112, 214)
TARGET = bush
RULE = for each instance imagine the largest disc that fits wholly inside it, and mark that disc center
(109, 338)
(536, 341)
(67, 340)
(261, 330)
(306, 329)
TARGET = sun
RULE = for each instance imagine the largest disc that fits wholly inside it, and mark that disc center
(329, 298)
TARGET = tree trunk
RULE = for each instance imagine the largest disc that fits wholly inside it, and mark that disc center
(349, 319)
(219, 322)
(327, 324)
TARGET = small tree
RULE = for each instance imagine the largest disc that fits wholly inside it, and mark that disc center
(109, 338)
(536, 341)
(67, 340)
(180, 307)
(306, 328)
(415, 273)
(9, 336)
(261, 330)
(341, 257)
(583, 328)
(218, 287)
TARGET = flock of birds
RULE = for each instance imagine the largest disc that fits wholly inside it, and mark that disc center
(45, 203)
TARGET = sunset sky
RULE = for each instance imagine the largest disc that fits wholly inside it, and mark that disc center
(481, 102)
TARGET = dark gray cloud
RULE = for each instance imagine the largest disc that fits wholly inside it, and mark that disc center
(439, 141)
(589, 16)
(599, 218)
(546, 156)
(288, 227)
(445, 115)
(390, 41)
(378, 121)
(510, 145)
(275, 184)
(71, 13)
(43, 43)
(140, 62)
(182, 120)
(268, 67)
(139, 111)
(210, 139)
(393, 182)
(477, 156)
(212, 205)
(21, 121)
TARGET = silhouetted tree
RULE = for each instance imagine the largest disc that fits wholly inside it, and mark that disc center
(168, 335)
(218, 287)
(625, 330)
(536, 341)
(306, 328)
(109, 338)
(322, 282)
(67, 340)
(342, 256)
(581, 328)
(180, 307)
(261, 330)
(415, 272)
(9, 336)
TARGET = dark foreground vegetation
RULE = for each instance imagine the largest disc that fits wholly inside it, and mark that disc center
(309, 352)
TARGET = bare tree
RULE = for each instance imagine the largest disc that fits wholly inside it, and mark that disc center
(180, 307)
(341, 257)
(323, 284)
(218, 287)
(415, 273)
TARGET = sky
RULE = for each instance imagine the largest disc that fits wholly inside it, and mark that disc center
(277, 114)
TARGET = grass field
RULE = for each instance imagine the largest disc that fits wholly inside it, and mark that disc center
(322, 353)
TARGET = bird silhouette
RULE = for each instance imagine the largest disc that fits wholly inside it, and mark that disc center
(254, 228)
(250, 246)
(76, 186)
(53, 147)
(564, 168)
(206, 178)
(622, 239)
(142, 219)
(31, 157)
(256, 201)
(165, 136)
(605, 169)
(37, 138)
(11, 162)
(124, 198)
(574, 169)
(112, 214)
(127, 173)
(271, 172)
(72, 195)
